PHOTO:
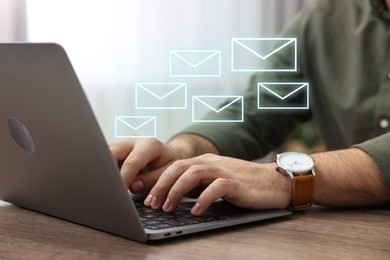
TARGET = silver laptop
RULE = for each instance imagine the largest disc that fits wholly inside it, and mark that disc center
(55, 160)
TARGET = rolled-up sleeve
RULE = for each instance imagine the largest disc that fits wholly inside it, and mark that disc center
(261, 130)
(379, 150)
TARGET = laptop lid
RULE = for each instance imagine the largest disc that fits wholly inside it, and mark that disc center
(54, 158)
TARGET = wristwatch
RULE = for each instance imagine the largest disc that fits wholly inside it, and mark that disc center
(300, 168)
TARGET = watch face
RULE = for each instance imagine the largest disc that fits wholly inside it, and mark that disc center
(295, 162)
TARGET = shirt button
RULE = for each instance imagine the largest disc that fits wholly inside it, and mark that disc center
(384, 123)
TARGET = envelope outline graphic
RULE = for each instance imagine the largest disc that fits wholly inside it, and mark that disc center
(288, 42)
(300, 86)
(134, 128)
(143, 86)
(176, 53)
(218, 110)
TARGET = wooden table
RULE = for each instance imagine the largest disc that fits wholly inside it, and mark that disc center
(321, 233)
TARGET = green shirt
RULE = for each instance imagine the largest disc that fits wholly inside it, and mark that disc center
(344, 55)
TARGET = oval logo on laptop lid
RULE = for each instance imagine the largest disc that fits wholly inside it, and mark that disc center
(21, 135)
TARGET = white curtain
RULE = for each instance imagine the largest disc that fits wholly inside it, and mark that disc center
(12, 20)
(113, 44)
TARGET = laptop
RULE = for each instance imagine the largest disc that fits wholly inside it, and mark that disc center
(55, 160)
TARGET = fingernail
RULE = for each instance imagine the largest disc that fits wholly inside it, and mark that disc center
(148, 200)
(137, 186)
(167, 205)
(154, 203)
(196, 210)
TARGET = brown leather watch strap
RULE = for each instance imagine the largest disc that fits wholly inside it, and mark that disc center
(302, 196)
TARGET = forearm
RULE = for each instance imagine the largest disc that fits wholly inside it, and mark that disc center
(190, 145)
(343, 178)
(348, 178)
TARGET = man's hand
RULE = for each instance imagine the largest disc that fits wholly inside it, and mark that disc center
(243, 184)
(343, 178)
(142, 161)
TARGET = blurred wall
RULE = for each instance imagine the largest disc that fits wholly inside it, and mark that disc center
(113, 44)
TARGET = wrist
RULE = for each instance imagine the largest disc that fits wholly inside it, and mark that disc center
(285, 187)
(279, 187)
(190, 145)
(299, 168)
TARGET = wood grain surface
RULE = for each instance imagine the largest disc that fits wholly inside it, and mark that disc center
(321, 233)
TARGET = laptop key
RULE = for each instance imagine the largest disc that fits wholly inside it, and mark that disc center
(158, 219)
(188, 221)
(175, 223)
(164, 225)
(151, 222)
(152, 227)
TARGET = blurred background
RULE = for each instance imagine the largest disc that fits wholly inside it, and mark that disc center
(113, 44)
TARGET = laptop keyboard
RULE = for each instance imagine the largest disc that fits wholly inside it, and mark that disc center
(155, 219)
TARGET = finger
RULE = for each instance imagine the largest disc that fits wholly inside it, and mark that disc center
(195, 176)
(219, 188)
(195, 192)
(135, 163)
(159, 192)
(120, 150)
(136, 154)
(144, 182)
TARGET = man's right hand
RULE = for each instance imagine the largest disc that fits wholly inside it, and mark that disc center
(142, 161)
